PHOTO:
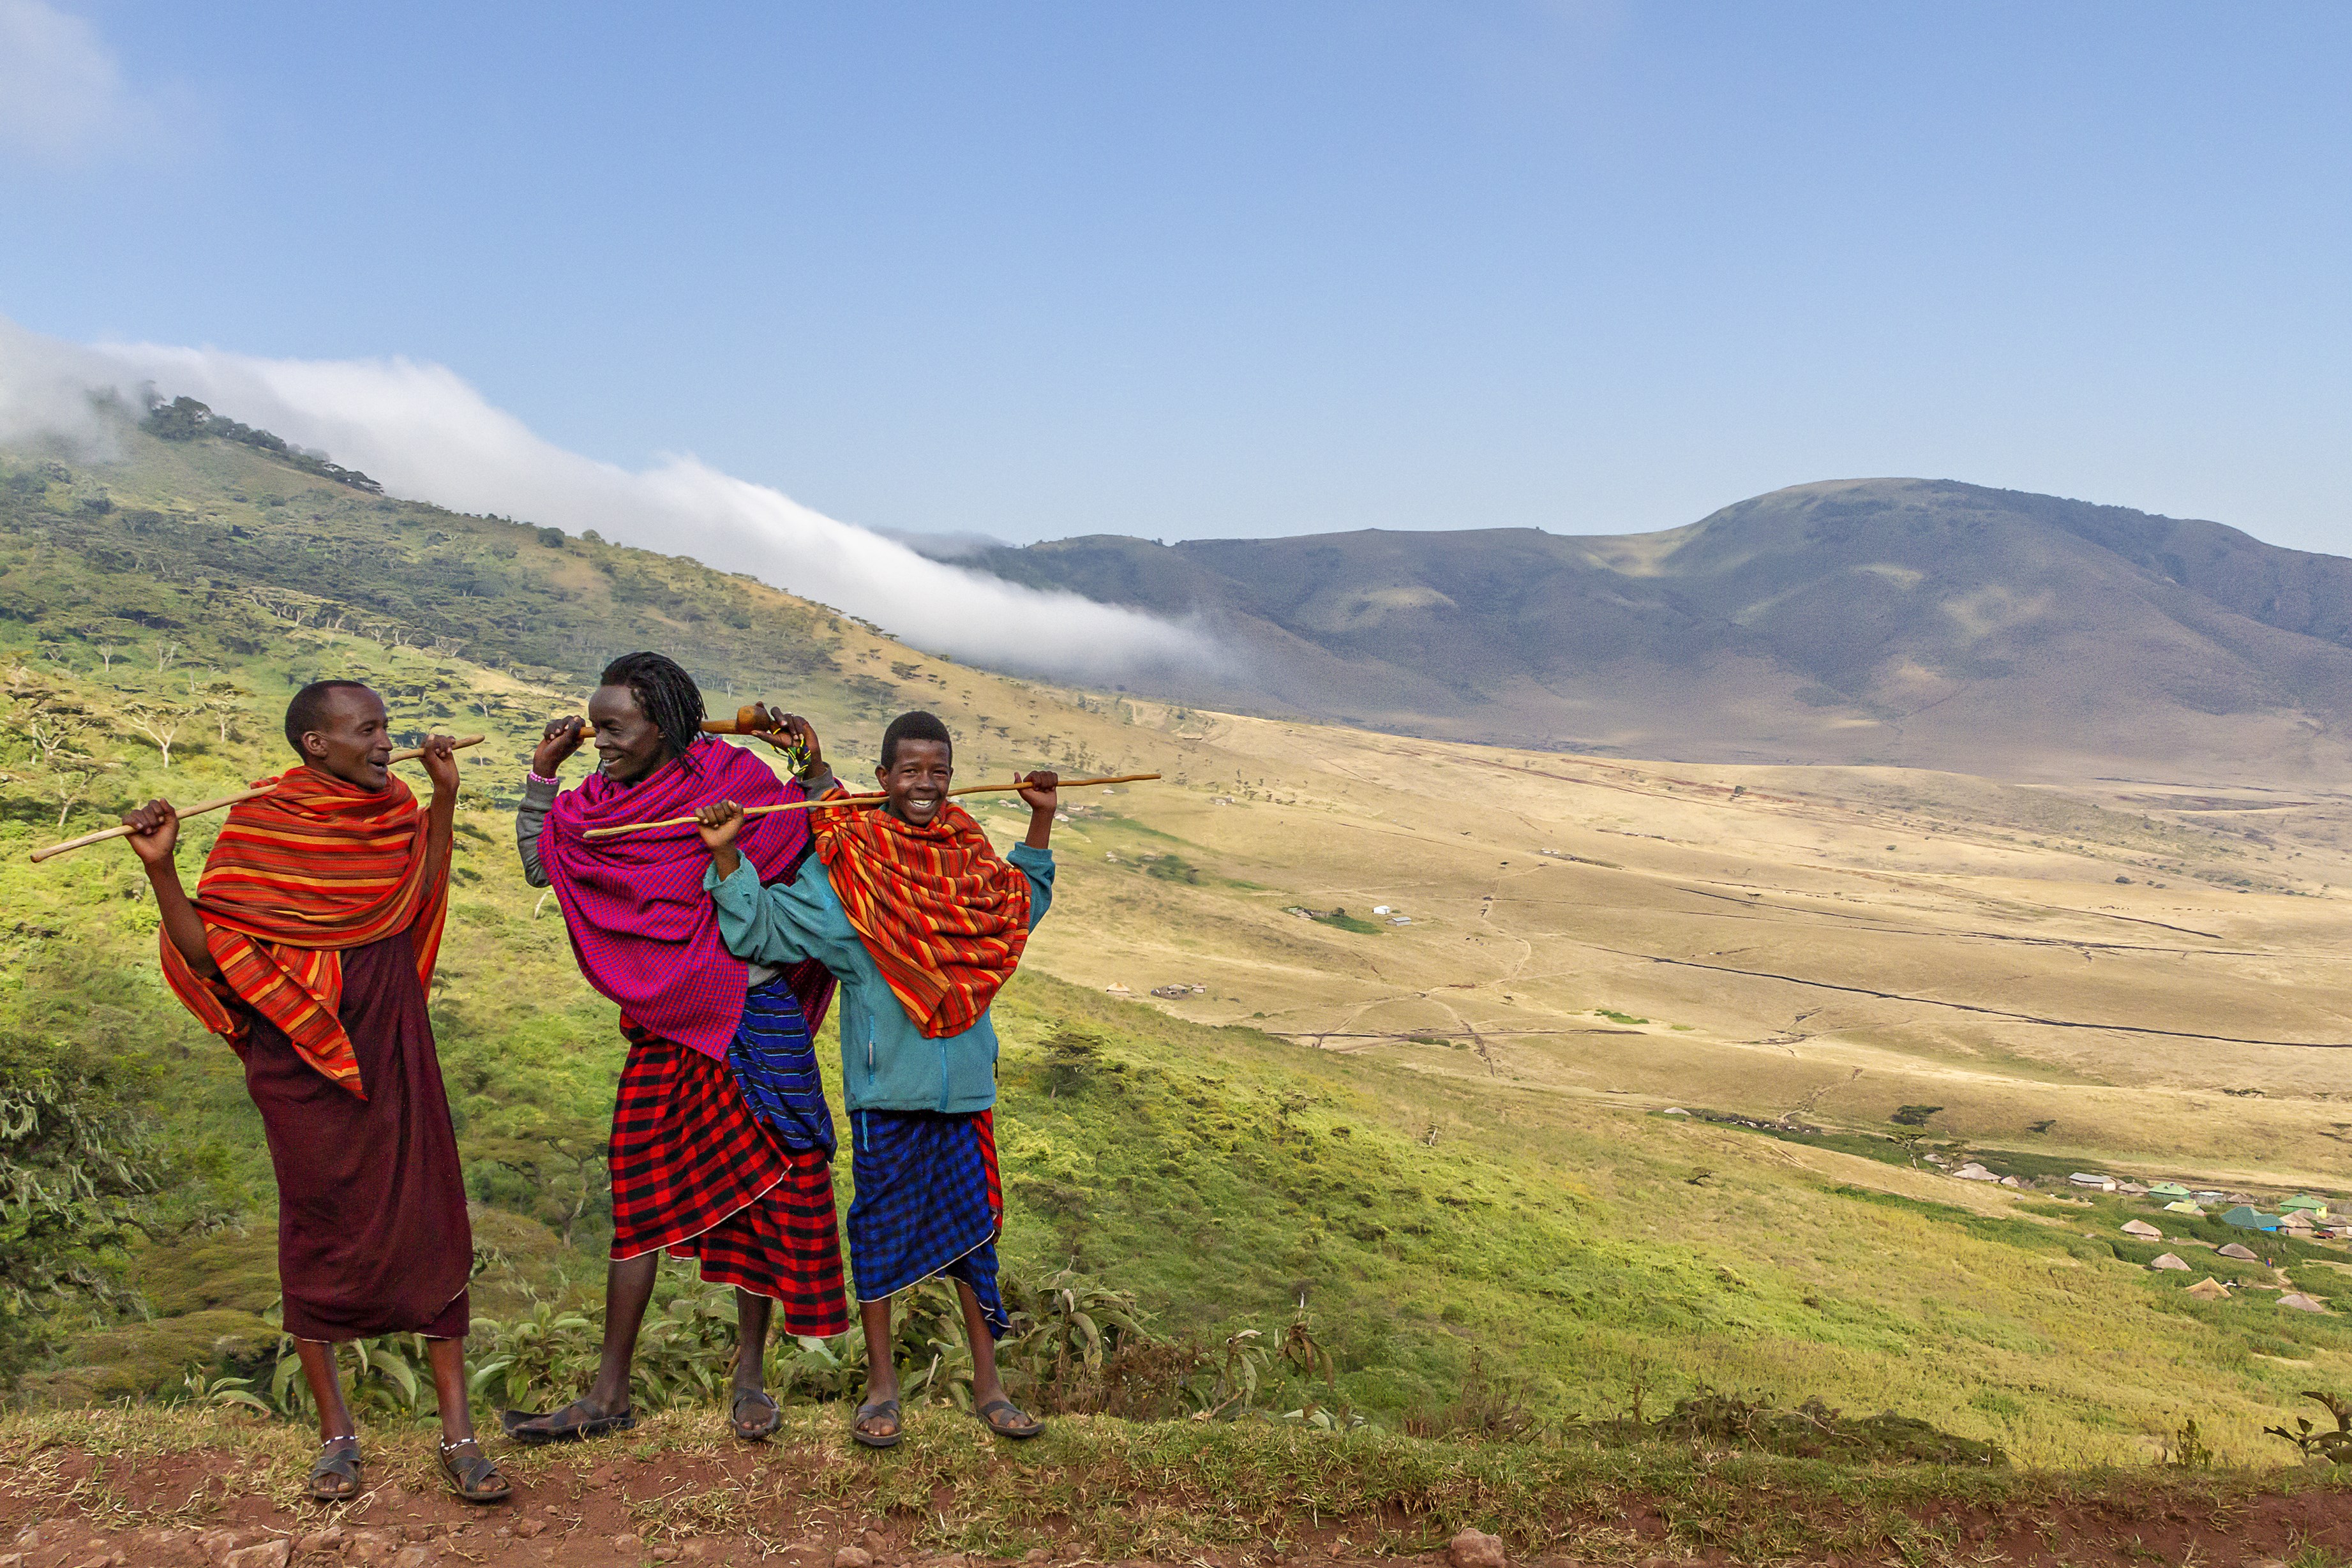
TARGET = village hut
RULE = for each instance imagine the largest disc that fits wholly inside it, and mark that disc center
(2304, 1203)
(2169, 1261)
(2246, 1219)
(2167, 1190)
(2296, 1221)
(2296, 1302)
(2185, 1207)
(2091, 1178)
(2209, 1289)
(2241, 1251)
(2143, 1230)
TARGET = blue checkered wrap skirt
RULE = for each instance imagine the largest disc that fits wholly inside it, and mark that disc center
(928, 1203)
(775, 1064)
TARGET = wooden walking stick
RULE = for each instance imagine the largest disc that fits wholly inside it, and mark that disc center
(200, 806)
(861, 801)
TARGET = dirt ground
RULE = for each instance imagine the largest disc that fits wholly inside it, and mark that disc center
(591, 1511)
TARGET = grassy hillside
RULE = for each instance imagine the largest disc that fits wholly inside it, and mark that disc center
(1478, 1167)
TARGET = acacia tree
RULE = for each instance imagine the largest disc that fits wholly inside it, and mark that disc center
(224, 700)
(70, 779)
(159, 722)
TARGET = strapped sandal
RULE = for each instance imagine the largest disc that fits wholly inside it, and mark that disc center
(340, 1465)
(761, 1430)
(1010, 1425)
(561, 1430)
(472, 1476)
(891, 1439)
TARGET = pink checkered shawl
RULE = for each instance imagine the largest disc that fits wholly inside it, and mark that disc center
(643, 931)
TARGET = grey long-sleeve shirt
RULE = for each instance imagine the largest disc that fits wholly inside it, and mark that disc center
(538, 799)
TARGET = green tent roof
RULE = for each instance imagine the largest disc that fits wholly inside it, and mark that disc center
(2168, 1189)
(2306, 1202)
(2246, 1219)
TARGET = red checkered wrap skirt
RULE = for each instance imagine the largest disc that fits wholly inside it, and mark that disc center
(696, 1172)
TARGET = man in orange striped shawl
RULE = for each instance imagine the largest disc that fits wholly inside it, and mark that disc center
(308, 947)
(921, 920)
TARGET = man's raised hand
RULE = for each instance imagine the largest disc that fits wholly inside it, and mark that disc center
(798, 733)
(439, 755)
(559, 740)
(155, 832)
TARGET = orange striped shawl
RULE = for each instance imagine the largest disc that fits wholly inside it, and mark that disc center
(296, 876)
(943, 915)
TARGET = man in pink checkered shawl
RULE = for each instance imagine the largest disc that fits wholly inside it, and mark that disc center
(721, 1139)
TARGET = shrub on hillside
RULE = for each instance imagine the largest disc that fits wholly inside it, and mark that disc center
(76, 1175)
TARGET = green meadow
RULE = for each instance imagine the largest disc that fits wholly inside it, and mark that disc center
(1404, 1233)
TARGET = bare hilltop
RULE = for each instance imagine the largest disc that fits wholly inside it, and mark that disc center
(1892, 622)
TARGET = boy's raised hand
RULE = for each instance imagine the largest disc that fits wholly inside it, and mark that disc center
(719, 825)
(1042, 789)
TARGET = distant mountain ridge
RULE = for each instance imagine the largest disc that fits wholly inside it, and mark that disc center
(1898, 620)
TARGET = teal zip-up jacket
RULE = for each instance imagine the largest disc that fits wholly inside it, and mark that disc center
(887, 1064)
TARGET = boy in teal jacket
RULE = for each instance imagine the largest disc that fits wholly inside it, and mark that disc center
(921, 922)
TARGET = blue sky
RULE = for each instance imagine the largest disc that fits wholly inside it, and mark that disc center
(1206, 270)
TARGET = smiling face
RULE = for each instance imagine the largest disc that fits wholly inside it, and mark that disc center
(628, 745)
(917, 780)
(352, 740)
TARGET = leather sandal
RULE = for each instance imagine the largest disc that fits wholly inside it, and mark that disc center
(337, 1465)
(560, 1429)
(472, 1476)
(891, 1439)
(1010, 1427)
(761, 1430)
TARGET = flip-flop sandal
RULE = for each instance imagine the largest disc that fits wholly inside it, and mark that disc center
(765, 1427)
(883, 1440)
(342, 1464)
(516, 1423)
(472, 1476)
(1019, 1434)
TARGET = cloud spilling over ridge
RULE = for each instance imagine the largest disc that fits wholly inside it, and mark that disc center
(423, 432)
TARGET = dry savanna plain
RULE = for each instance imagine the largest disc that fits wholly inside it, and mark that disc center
(2134, 972)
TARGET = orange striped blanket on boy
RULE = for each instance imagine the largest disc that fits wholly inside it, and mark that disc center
(297, 875)
(943, 915)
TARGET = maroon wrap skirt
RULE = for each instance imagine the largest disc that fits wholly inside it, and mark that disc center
(373, 1237)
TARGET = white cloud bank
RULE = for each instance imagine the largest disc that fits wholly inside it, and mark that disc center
(62, 94)
(423, 432)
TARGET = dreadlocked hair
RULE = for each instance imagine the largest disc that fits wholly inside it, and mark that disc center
(665, 694)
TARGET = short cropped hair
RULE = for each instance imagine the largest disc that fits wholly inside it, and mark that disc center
(916, 725)
(303, 713)
(664, 693)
